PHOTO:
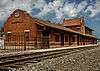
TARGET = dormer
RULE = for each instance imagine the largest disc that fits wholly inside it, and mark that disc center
(88, 30)
(76, 24)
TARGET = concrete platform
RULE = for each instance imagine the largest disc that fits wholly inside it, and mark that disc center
(41, 50)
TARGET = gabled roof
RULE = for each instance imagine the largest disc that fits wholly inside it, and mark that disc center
(46, 23)
(73, 22)
(53, 25)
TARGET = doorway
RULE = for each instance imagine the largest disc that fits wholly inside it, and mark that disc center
(45, 40)
(62, 39)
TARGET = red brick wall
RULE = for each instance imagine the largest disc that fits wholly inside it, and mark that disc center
(17, 25)
(73, 23)
(52, 37)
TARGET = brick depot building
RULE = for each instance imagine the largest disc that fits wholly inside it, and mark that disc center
(21, 28)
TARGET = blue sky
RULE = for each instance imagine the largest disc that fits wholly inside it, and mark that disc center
(55, 10)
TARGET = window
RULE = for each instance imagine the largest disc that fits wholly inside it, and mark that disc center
(17, 14)
(90, 32)
(81, 37)
(78, 29)
(41, 28)
(9, 36)
(73, 39)
(26, 35)
(57, 38)
(66, 38)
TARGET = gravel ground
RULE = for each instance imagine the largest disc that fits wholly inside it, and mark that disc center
(4, 51)
(84, 61)
(10, 52)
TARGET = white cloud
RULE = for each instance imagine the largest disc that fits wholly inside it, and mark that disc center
(81, 6)
(48, 7)
(69, 9)
(72, 11)
(39, 3)
(7, 7)
(3, 3)
(94, 9)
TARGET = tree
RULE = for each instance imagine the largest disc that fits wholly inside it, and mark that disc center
(1, 32)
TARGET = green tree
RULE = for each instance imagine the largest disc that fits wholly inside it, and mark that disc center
(1, 32)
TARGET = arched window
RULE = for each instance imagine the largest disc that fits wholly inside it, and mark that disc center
(17, 14)
(8, 36)
(26, 34)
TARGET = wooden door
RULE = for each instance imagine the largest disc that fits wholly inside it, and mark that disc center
(62, 39)
(45, 40)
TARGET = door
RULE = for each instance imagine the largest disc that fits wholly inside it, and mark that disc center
(62, 39)
(26, 39)
(45, 40)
